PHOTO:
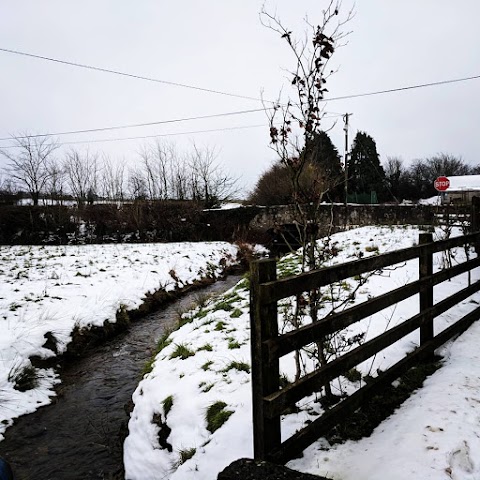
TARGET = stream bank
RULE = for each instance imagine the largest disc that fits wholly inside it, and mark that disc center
(80, 435)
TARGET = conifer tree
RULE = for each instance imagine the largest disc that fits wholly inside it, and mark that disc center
(366, 176)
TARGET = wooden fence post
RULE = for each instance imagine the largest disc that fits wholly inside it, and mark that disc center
(475, 220)
(265, 374)
(426, 292)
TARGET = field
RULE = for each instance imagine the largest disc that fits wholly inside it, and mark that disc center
(192, 413)
(48, 292)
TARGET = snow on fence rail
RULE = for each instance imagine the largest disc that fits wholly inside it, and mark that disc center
(270, 401)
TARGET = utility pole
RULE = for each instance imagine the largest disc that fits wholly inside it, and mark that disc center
(345, 129)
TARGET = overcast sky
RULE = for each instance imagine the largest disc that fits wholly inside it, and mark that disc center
(221, 45)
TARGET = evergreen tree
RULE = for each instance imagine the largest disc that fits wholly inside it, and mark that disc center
(365, 173)
(326, 156)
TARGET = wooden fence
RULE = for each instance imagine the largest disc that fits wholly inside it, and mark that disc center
(270, 401)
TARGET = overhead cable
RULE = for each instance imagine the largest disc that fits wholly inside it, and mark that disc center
(130, 75)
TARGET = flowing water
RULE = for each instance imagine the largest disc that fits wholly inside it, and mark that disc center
(80, 435)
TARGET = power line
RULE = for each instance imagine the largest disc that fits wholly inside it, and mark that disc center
(118, 127)
(224, 129)
(130, 75)
(219, 92)
(148, 136)
(400, 89)
(160, 122)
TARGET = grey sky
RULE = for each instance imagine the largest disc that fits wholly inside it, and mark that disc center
(221, 45)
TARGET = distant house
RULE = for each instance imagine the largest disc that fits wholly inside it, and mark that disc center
(462, 189)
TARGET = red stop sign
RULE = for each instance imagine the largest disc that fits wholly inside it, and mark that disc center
(441, 184)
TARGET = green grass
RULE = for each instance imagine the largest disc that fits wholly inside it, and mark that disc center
(207, 348)
(181, 351)
(163, 342)
(216, 416)
(206, 366)
(240, 366)
(185, 455)
(167, 404)
(233, 344)
(223, 305)
(236, 313)
(219, 326)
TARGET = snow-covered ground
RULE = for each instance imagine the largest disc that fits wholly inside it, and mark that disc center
(206, 363)
(54, 289)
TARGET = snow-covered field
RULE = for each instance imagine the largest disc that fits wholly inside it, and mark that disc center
(199, 387)
(54, 289)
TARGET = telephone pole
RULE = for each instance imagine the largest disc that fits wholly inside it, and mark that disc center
(345, 129)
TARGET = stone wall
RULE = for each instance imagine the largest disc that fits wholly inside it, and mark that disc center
(269, 217)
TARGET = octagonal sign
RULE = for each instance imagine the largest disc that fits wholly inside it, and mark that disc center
(441, 184)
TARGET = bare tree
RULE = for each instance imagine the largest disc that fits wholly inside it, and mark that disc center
(296, 124)
(113, 179)
(179, 185)
(137, 185)
(56, 181)
(81, 173)
(395, 174)
(294, 127)
(209, 183)
(157, 160)
(29, 163)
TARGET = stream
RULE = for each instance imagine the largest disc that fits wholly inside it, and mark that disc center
(80, 435)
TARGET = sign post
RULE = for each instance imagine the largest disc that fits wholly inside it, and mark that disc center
(441, 184)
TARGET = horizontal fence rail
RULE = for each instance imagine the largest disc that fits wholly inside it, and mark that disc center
(270, 401)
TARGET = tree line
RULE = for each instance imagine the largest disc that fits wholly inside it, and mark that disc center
(367, 179)
(160, 173)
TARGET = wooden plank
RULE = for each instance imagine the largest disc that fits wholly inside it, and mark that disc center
(286, 287)
(265, 374)
(425, 269)
(312, 332)
(294, 445)
(276, 403)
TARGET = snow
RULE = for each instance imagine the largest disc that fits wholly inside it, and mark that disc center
(436, 200)
(460, 183)
(58, 288)
(55, 289)
(431, 436)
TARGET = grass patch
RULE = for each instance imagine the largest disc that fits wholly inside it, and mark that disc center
(181, 351)
(23, 379)
(223, 305)
(205, 387)
(167, 404)
(353, 375)
(219, 326)
(216, 416)
(207, 348)
(240, 366)
(202, 313)
(233, 344)
(206, 366)
(163, 342)
(185, 455)
(236, 313)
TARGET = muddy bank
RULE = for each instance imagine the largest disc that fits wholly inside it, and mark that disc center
(80, 435)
